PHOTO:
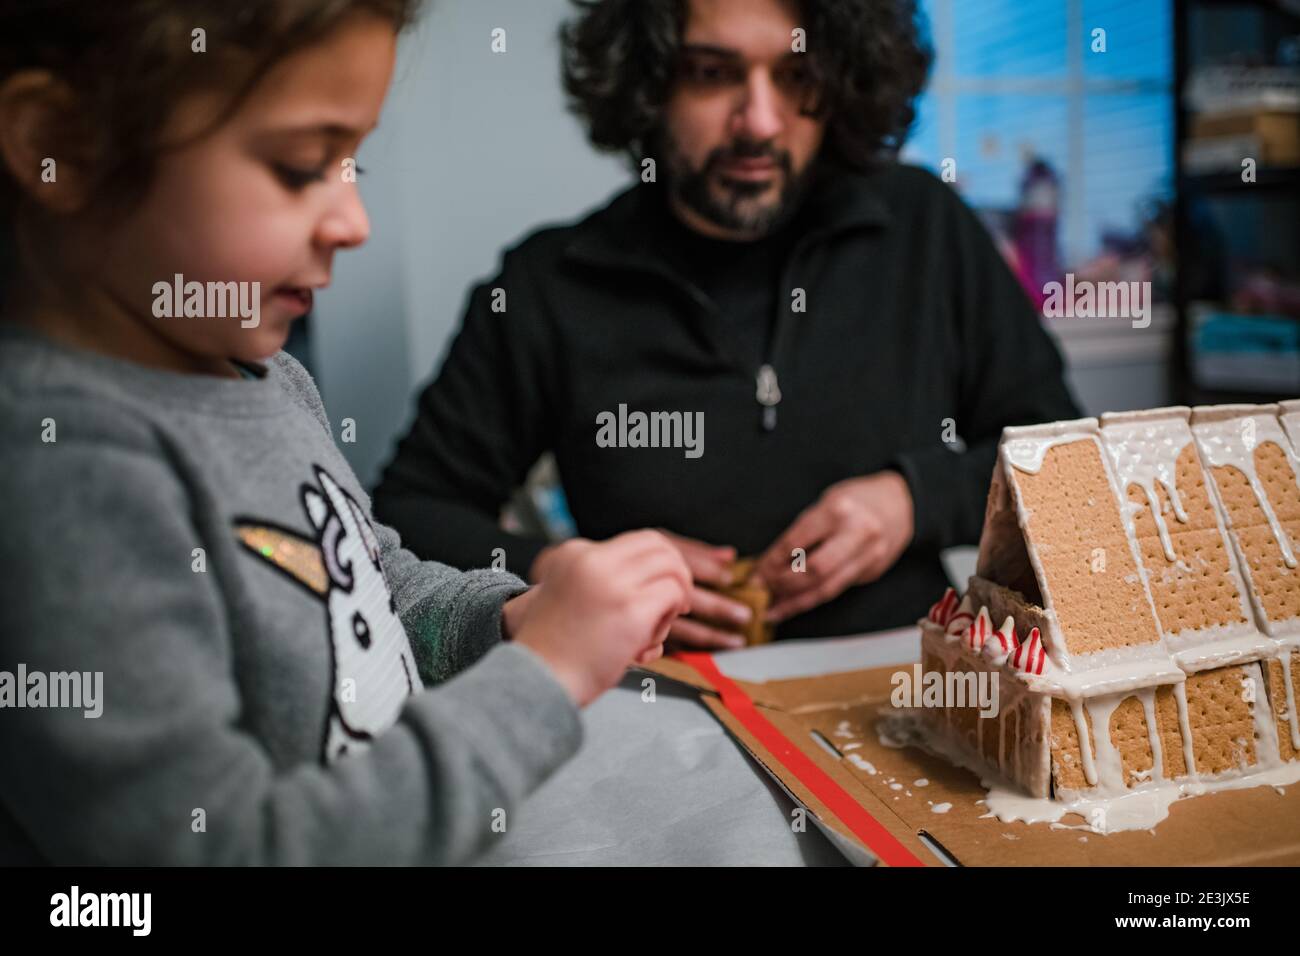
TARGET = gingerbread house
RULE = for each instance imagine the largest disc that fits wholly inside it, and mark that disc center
(1137, 593)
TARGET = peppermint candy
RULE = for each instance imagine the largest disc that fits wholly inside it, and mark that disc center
(941, 610)
(960, 624)
(979, 631)
(1002, 642)
(1031, 656)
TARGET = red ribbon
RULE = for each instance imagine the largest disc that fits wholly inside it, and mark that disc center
(867, 828)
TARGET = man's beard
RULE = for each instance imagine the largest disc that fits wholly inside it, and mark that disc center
(734, 204)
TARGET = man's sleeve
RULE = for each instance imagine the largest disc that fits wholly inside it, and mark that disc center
(1010, 373)
(479, 427)
(99, 580)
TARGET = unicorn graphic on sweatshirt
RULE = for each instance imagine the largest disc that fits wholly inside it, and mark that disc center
(374, 669)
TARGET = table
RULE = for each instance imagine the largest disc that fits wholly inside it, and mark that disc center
(662, 783)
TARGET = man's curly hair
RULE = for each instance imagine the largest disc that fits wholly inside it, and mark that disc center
(870, 59)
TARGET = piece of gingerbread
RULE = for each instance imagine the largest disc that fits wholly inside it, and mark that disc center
(755, 596)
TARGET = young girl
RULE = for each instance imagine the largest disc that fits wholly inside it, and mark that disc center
(179, 527)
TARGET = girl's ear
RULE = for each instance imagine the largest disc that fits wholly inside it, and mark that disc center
(39, 146)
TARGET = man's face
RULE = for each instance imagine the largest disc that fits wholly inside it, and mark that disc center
(736, 144)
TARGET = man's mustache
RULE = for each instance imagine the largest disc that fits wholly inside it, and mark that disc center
(742, 150)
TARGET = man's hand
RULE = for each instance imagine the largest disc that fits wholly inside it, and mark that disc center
(708, 564)
(852, 535)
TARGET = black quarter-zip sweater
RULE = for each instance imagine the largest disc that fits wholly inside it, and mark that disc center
(894, 324)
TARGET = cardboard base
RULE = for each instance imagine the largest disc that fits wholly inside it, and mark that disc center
(831, 720)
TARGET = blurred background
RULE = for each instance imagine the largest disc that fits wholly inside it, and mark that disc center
(1102, 138)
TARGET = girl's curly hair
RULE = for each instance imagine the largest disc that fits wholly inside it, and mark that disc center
(870, 58)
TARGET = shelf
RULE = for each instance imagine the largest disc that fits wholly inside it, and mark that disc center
(1198, 395)
(1273, 184)
(1286, 8)
(1268, 178)
(1108, 342)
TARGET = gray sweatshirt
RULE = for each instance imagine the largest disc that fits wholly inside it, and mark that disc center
(199, 549)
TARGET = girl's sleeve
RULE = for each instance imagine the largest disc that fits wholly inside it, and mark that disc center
(452, 617)
(98, 580)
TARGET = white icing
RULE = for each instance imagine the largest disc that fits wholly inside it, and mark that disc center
(1208, 653)
(1139, 808)
(1014, 735)
(1085, 745)
(1109, 763)
(1289, 416)
(1233, 442)
(1143, 454)
(1148, 698)
(1110, 679)
(1002, 737)
(1288, 684)
(1025, 448)
(1185, 728)
(1265, 730)
(862, 763)
(1109, 657)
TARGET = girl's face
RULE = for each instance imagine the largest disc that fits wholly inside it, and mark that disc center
(267, 198)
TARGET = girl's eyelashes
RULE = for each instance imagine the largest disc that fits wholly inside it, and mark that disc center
(298, 179)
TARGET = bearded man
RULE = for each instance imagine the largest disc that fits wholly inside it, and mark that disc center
(838, 325)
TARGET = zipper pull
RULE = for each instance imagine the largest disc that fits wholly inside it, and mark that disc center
(768, 395)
